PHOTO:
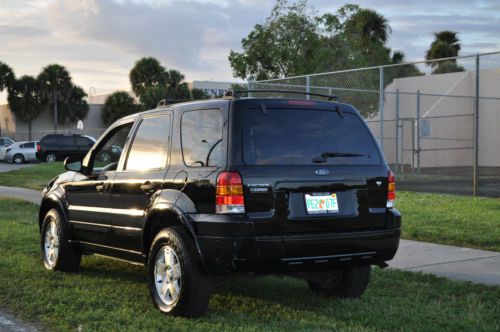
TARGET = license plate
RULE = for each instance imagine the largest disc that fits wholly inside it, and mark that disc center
(321, 203)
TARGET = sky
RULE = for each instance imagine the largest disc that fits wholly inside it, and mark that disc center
(99, 40)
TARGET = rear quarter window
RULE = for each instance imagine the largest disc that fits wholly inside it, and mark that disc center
(201, 132)
(297, 136)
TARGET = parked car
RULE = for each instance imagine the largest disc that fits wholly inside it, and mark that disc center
(5, 141)
(19, 152)
(55, 147)
(231, 186)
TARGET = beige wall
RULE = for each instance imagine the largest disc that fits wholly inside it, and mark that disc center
(44, 124)
(450, 118)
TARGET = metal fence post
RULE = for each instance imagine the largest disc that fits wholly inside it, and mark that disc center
(250, 87)
(397, 132)
(308, 86)
(476, 131)
(417, 129)
(381, 106)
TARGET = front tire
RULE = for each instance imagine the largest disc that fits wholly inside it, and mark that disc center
(57, 253)
(351, 284)
(176, 284)
(18, 159)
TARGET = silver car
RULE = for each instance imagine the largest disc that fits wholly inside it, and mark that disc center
(19, 152)
(4, 141)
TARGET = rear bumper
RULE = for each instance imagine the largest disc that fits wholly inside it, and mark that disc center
(297, 252)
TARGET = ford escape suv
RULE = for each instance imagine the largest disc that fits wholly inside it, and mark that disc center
(230, 186)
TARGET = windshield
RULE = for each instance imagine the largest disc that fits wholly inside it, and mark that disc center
(306, 137)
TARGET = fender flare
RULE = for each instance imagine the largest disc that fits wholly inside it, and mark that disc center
(161, 205)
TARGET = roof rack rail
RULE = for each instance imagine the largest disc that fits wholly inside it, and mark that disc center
(231, 93)
(167, 102)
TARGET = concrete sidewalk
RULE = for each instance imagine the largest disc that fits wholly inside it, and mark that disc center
(30, 195)
(478, 266)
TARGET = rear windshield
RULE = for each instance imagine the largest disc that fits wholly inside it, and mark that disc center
(306, 137)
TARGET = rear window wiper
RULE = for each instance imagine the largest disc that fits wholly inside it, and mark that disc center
(325, 155)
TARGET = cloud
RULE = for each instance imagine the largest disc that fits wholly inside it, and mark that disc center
(178, 33)
(99, 40)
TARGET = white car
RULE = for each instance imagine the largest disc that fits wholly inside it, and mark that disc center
(19, 152)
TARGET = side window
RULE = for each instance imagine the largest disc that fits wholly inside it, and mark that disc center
(149, 149)
(108, 154)
(30, 145)
(23, 146)
(201, 138)
(83, 141)
(67, 140)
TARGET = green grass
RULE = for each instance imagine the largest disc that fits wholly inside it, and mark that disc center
(33, 177)
(455, 220)
(109, 295)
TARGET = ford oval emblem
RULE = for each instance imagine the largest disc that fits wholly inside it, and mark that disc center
(322, 172)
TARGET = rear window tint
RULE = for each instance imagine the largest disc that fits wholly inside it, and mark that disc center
(202, 138)
(296, 137)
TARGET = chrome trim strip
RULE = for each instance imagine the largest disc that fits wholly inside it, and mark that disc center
(106, 225)
(108, 247)
(129, 212)
(120, 259)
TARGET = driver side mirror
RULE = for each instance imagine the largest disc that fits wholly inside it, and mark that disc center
(73, 164)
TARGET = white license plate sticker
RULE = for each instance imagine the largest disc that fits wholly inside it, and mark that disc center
(321, 203)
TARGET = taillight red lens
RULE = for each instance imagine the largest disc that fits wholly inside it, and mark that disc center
(391, 190)
(38, 147)
(229, 196)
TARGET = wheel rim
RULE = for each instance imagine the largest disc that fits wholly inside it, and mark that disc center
(18, 160)
(51, 244)
(51, 158)
(168, 275)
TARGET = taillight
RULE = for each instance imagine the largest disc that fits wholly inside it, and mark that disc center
(391, 192)
(38, 147)
(229, 197)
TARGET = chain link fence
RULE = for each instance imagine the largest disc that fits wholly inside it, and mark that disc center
(438, 122)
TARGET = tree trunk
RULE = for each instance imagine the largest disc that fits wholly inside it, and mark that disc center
(29, 130)
(55, 115)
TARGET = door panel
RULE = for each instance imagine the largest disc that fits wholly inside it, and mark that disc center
(90, 206)
(142, 176)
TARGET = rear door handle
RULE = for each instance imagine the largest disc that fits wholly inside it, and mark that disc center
(100, 187)
(148, 187)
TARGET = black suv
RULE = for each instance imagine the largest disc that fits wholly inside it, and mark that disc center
(54, 147)
(239, 185)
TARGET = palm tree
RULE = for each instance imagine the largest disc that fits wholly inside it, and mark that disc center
(25, 100)
(370, 26)
(75, 107)
(146, 73)
(446, 44)
(6, 76)
(56, 86)
(117, 105)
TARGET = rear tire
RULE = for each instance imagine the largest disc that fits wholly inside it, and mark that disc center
(18, 159)
(352, 283)
(176, 284)
(57, 253)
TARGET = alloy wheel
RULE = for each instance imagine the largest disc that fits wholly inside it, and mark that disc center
(51, 244)
(168, 275)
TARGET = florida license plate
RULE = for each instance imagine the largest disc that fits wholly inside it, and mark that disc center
(321, 203)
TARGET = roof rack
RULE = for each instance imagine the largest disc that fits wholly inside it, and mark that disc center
(167, 102)
(231, 93)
